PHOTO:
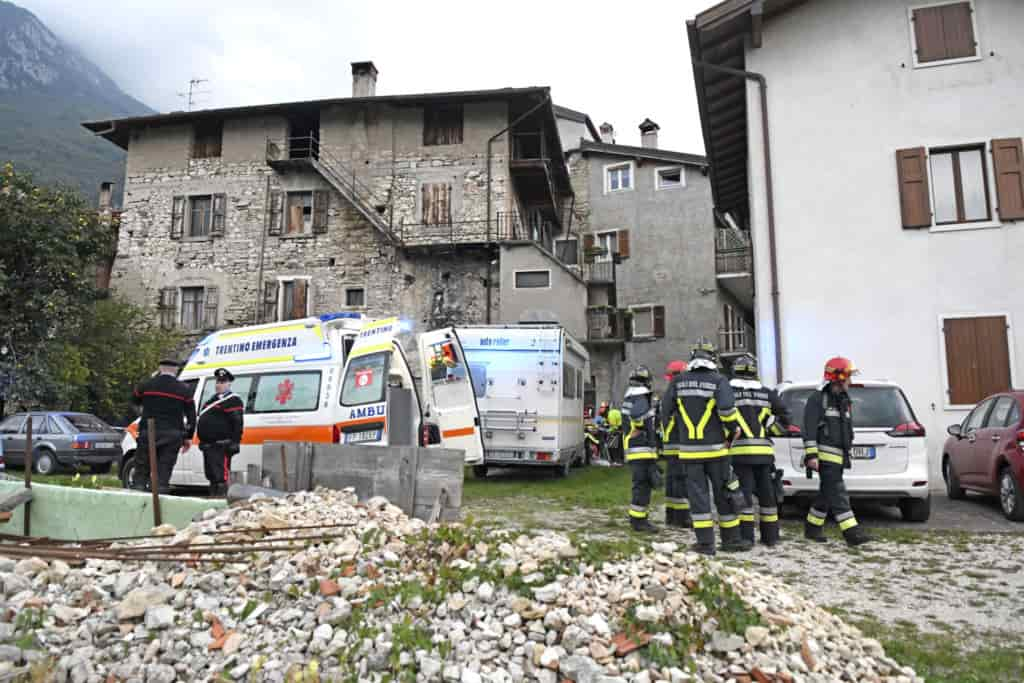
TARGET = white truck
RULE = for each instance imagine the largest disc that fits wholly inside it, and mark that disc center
(529, 382)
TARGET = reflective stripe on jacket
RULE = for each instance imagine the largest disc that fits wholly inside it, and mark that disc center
(761, 414)
(641, 438)
(704, 410)
(828, 427)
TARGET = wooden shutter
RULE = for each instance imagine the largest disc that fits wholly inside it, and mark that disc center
(659, 321)
(177, 217)
(425, 203)
(270, 292)
(623, 240)
(1008, 161)
(321, 199)
(977, 358)
(912, 172)
(588, 248)
(931, 46)
(220, 203)
(944, 32)
(276, 218)
(299, 299)
(445, 204)
(210, 304)
(168, 307)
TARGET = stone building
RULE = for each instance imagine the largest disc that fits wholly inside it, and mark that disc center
(411, 205)
(655, 280)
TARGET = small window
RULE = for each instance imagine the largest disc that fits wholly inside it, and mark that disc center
(1001, 410)
(40, 425)
(287, 392)
(299, 213)
(355, 297)
(960, 185)
(568, 381)
(1013, 419)
(88, 423)
(734, 331)
(643, 322)
(365, 379)
(567, 251)
(12, 425)
(294, 299)
(977, 417)
(192, 305)
(208, 139)
(944, 33)
(609, 244)
(240, 386)
(442, 125)
(618, 177)
(478, 376)
(533, 279)
(200, 215)
(669, 178)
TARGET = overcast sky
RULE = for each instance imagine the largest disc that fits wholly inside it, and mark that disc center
(615, 61)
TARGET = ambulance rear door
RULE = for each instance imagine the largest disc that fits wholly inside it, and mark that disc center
(363, 401)
(448, 393)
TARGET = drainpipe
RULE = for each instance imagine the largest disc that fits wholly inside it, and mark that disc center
(263, 249)
(770, 199)
(490, 141)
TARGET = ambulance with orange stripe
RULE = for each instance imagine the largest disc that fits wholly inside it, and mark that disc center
(336, 378)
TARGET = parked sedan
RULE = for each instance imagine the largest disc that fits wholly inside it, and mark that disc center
(61, 439)
(985, 453)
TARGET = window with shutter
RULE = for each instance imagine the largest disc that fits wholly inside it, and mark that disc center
(435, 203)
(211, 301)
(299, 309)
(168, 307)
(977, 358)
(1008, 161)
(608, 242)
(299, 213)
(588, 248)
(959, 183)
(623, 244)
(200, 219)
(270, 292)
(944, 33)
(912, 171)
(659, 321)
(220, 203)
(275, 220)
(207, 140)
(177, 217)
(192, 311)
(442, 125)
(643, 322)
(321, 199)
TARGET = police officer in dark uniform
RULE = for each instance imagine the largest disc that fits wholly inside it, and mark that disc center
(761, 415)
(169, 402)
(677, 505)
(828, 438)
(641, 444)
(220, 431)
(705, 421)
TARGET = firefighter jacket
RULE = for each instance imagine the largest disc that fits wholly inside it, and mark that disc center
(760, 415)
(641, 440)
(828, 427)
(704, 411)
(221, 419)
(614, 419)
(169, 402)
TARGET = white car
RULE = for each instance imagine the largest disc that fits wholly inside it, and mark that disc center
(890, 456)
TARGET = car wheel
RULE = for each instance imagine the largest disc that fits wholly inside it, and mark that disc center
(953, 488)
(480, 471)
(43, 462)
(562, 470)
(916, 509)
(128, 472)
(101, 469)
(1010, 498)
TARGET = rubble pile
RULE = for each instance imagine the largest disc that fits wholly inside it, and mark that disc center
(381, 597)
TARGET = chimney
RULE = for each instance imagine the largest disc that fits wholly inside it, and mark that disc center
(106, 192)
(607, 133)
(364, 79)
(649, 134)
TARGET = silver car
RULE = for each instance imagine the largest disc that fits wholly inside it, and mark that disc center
(60, 440)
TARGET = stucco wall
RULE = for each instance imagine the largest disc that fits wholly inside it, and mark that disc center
(566, 297)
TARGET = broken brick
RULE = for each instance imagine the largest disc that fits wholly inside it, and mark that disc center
(626, 643)
(329, 588)
(760, 676)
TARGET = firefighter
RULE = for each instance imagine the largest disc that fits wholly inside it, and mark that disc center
(761, 414)
(677, 505)
(705, 421)
(641, 445)
(220, 431)
(169, 402)
(828, 437)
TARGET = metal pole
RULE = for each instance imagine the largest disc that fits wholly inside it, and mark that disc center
(28, 473)
(284, 468)
(154, 481)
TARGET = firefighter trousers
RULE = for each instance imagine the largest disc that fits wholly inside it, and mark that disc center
(832, 497)
(645, 479)
(677, 502)
(758, 480)
(718, 472)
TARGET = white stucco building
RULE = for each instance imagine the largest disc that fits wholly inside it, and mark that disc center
(896, 182)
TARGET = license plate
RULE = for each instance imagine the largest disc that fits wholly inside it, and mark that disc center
(104, 444)
(363, 437)
(863, 452)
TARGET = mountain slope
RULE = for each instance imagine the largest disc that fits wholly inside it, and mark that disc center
(46, 90)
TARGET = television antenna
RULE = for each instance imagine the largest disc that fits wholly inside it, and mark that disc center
(192, 94)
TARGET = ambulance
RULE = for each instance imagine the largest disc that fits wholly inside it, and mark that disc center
(336, 378)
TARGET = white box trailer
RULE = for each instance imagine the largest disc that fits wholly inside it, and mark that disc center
(529, 382)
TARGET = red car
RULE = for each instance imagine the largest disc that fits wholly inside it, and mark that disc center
(985, 453)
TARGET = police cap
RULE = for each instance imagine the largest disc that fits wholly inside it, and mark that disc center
(170, 363)
(223, 375)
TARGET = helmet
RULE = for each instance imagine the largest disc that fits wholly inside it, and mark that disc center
(641, 375)
(704, 350)
(745, 365)
(839, 369)
(675, 367)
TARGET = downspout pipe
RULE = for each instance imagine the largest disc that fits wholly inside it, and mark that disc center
(770, 199)
(490, 142)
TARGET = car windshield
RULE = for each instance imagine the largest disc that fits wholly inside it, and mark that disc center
(88, 423)
(873, 407)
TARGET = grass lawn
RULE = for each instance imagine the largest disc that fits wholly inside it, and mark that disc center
(81, 479)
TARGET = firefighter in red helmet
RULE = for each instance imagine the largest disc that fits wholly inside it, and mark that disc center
(828, 438)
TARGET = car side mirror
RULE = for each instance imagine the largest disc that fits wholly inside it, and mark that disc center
(955, 430)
